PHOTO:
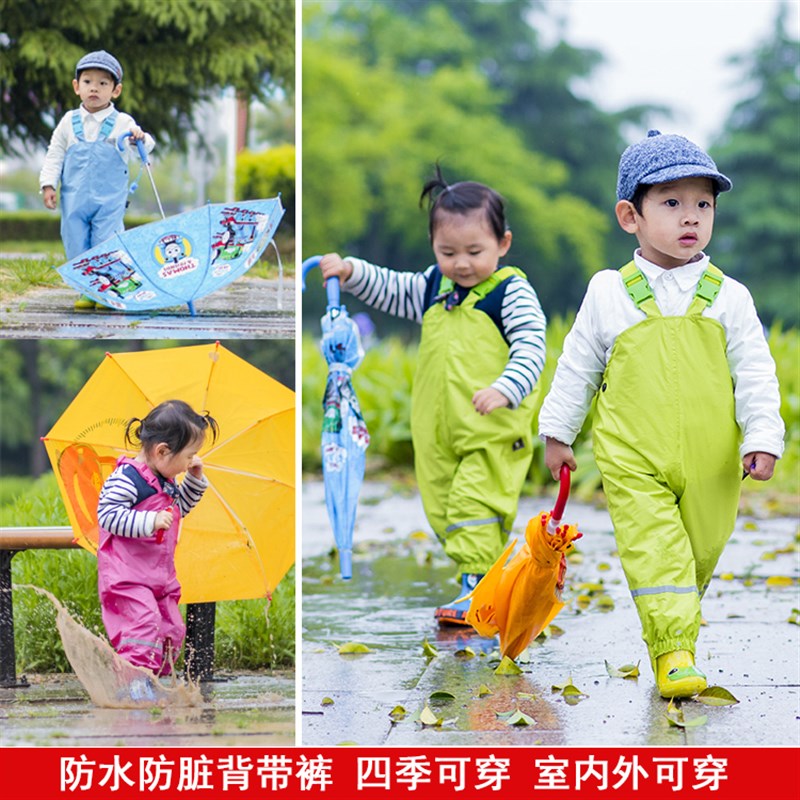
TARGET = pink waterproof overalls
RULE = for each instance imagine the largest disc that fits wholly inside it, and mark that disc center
(138, 589)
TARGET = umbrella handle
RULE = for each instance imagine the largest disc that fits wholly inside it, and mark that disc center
(331, 285)
(139, 146)
(160, 533)
(563, 493)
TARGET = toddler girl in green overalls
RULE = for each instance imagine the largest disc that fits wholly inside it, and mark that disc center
(686, 396)
(481, 353)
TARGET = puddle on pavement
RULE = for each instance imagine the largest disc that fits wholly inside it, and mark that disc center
(110, 681)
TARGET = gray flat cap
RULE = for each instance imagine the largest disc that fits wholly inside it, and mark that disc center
(100, 60)
(661, 158)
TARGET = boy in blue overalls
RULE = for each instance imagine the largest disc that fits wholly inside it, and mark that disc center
(83, 155)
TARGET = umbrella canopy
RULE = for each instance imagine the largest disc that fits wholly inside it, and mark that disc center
(519, 598)
(239, 541)
(344, 433)
(178, 259)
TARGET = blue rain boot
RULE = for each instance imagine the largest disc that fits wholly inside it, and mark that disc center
(455, 613)
(142, 690)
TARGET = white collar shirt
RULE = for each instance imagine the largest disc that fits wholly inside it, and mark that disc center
(607, 311)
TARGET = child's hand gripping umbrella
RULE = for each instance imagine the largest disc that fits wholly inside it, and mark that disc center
(521, 598)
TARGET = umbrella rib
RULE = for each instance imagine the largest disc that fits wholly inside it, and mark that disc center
(243, 527)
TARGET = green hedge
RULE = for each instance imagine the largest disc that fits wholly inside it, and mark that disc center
(42, 226)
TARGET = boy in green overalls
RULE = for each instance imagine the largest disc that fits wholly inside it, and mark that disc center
(481, 353)
(686, 394)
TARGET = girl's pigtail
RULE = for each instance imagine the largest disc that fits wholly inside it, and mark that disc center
(137, 433)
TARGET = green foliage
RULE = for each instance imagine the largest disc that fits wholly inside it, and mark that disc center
(254, 634)
(383, 385)
(173, 55)
(757, 236)
(268, 174)
(365, 161)
(43, 226)
(40, 377)
(244, 638)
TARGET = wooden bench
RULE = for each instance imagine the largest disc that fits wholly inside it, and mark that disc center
(199, 651)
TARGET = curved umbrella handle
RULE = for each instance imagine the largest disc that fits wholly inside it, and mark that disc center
(331, 285)
(563, 493)
(160, 534)
(139, 146)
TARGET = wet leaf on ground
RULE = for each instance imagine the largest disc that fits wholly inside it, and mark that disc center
(428, 718)
(483, 690)
(681, 722)
(794, 617)
(526, 696)
(327, 701)
(467, 652)
(351, 648)
(398, 712)
(520, 718)
(441, 696)
(625, 671)
(716, 696)
(779, 580)
(605, 602)
(507, 667)
(429, 650)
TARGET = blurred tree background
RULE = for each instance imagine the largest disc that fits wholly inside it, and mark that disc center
(389, 88)
(189, 67)
(40, 377)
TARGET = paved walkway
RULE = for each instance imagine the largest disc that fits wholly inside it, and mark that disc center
(247, 710)
(748, 645)
(249, 308)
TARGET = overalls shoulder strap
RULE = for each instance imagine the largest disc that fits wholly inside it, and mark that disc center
(707, 289)
(495, 279)
(639, 290)
(105, 129)
(486, 287)
(642, 295)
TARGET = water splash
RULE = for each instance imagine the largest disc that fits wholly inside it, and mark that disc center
(106, 677)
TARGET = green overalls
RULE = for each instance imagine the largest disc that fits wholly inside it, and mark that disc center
(667, 444)
(470, 468)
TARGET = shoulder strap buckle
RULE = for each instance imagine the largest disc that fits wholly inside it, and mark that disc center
(709, 284)
(636, 284)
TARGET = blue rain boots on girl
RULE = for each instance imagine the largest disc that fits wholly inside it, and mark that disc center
(455, 613)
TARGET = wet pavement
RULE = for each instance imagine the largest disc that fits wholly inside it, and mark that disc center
(253, 709)
(748, 646)
(249, 308)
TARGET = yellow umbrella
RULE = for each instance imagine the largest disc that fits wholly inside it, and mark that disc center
(239, 541)
(519, 599)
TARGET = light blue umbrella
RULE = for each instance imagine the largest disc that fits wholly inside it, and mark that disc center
(344, 433)
(178, 259)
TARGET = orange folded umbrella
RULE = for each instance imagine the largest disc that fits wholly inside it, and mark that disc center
(519, 598)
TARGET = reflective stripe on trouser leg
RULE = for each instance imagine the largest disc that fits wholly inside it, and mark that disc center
(173, 628)
(659, 566)
(472, 502)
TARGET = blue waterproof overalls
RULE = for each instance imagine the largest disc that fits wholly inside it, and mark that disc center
(94, 188)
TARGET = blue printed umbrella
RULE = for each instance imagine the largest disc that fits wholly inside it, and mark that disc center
(178, 259)
(344, 433)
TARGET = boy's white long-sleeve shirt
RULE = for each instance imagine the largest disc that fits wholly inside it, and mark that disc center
(606, 311)
(64, 137)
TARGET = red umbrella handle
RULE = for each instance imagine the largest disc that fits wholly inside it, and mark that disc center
(563, 493)
(160, 532)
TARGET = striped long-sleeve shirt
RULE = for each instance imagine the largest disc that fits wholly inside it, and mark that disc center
(125, 488)
(518, 316)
